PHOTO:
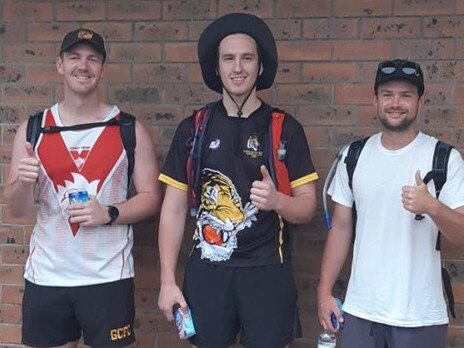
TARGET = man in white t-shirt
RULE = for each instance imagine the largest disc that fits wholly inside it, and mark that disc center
(394, 297)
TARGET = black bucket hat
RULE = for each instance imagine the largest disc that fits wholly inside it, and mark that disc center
(237, 23)
(84, 35)
(400, 69)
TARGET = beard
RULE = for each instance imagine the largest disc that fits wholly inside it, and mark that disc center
(404, 125)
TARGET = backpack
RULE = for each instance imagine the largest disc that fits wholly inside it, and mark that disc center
(126, 125)
(438, 174)
(276, 154)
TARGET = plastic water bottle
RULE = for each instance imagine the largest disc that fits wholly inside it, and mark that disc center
(326, 340)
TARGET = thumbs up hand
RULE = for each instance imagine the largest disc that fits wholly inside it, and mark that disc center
(417, 199)
(28, 168)
(263, 194)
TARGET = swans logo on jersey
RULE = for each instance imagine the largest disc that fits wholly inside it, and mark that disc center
(215, 144)
(221, 216)
(79, 157)
(252, 147)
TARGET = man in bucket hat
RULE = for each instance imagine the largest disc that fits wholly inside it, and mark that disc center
(238, 276)
(394, 297)
(80, 269)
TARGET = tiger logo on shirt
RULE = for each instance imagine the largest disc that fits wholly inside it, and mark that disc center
(221, 216)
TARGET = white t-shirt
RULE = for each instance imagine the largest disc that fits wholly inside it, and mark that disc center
(396, 271)
(65, 254)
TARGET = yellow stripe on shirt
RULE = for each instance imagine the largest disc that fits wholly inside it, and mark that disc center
(304, 180)
(171, 182)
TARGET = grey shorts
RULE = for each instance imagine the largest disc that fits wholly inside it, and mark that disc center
(358, 332)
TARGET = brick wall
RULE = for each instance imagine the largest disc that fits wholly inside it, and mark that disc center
(328, 53)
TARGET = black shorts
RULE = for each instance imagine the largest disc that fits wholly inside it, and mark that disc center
(103, 314)
(259, 302)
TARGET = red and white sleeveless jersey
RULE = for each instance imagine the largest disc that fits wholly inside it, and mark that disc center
(65, 254)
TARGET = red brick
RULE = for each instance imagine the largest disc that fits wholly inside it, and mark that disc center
(459, 7)
(149, 73)
(79, 10)
(135, 52)
(397, 27)
(33, 94)
(297, 9)
(12, 74)
(353, 94)
(112, 32)
(133, 10)
(288, 72)
(22, 11)
(439, 26)
(440, 116)
(13, 32)
(181, 52)
(11, 235)
(42, 73)
(188, 10)
(260, 8)
(304, 50)
(12, 294)
(328, 115)
(49, 32)
(423, 8)
(195, 28)
(358, 50)
(10, 314)
(117, 73)
(12, 275)
(161, 31)
(318, 136)
(438, 94)
(330, 28)
(362, 8)
(424, 49)
(30, 52)
(303, 94)
(285, 29)
(331, 72)
(159, 115)
(188, 94)
(10, 334)
(14, 254)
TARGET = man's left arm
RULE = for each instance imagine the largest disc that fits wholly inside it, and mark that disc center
(298, 208)
(418, 200)
(143, 204)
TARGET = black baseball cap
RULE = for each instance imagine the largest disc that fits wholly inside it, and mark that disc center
(237, 23)
(84, 35)
(400, 69)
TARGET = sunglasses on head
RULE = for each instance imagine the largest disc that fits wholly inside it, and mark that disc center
(390, 67)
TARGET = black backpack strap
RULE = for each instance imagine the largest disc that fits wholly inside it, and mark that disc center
(446, 279)
(129, 141)
(351, 159)
(440, 170)
(34, 128)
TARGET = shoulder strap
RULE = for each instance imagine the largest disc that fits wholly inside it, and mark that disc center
(440, 171)
(195, 145)
(278, 169)
(128, 137)
(352, 157)
(34, 126)
(440, 165)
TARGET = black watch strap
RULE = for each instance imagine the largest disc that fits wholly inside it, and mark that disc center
(113, 213)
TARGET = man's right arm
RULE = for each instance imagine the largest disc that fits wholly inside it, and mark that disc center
(336, 250)
(24, 171)
(170, 235)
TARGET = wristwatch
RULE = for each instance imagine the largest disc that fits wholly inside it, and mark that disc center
(113, 213)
